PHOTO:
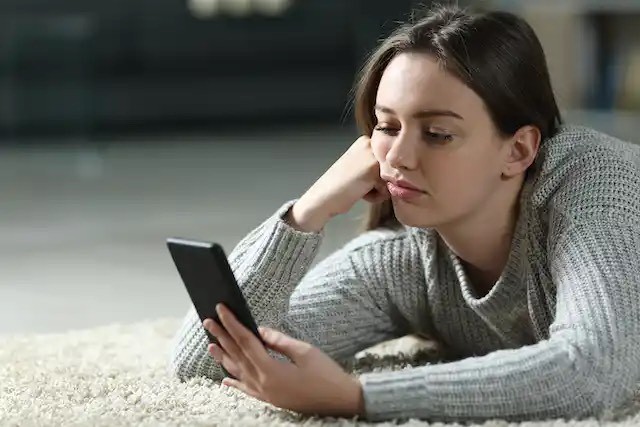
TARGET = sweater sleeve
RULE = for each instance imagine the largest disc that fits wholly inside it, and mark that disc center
(269, 264)
(590, 363)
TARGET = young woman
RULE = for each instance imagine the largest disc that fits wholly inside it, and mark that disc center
(512, 239)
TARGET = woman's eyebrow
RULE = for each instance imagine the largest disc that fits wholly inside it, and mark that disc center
(421, 114)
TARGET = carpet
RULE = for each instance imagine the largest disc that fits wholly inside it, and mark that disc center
(117, 375)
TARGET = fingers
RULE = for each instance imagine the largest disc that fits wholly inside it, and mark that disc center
(245, 340)
(284, 344)
(223, 358)
(223, 337)
(371, 196)
(374, 198)
(230, 382)
(379, 193)
(384, 190)
(238, 341)
(242, 365)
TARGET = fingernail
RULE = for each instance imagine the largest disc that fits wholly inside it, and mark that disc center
(213, 352)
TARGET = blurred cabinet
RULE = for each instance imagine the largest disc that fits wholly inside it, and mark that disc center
(45, 72)
(96, 66)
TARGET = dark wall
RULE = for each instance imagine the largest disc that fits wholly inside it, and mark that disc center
(96, 66)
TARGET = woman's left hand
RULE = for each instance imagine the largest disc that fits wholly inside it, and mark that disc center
(313, 384)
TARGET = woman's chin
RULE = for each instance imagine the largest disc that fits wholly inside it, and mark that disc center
(417, 224)
(413, 216)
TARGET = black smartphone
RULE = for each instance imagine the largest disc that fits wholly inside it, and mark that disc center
(209, 280)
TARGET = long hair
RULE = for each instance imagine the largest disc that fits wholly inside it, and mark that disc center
(496, 54)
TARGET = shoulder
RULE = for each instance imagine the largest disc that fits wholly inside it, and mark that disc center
(581, 173)
(576, 145)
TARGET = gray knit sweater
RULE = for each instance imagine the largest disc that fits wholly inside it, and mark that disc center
(557, 336)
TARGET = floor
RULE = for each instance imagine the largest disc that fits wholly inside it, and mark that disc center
(83, 224)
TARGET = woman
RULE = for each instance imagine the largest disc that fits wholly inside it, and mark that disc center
(512, 239)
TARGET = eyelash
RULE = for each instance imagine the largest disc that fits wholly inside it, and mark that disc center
(440, 138)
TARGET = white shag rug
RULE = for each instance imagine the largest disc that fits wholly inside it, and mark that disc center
(117, 376)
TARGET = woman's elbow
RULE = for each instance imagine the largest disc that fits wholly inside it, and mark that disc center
(602, 395)
(615, 393)
(179, 366)
(187, 365)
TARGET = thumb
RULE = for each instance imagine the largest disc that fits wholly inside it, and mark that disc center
(292, 348)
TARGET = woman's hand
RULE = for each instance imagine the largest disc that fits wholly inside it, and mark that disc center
(354, 176)
(313, 384)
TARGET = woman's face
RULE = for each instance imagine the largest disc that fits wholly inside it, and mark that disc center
(435, 133)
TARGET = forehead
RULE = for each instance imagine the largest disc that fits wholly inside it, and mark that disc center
(414, 81)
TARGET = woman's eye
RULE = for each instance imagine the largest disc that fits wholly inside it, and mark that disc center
(438, 138)
(386, 129)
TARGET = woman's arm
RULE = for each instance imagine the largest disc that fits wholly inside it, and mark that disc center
(590, 363)
(333, 307)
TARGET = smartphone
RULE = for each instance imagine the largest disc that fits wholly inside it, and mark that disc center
(209, 280)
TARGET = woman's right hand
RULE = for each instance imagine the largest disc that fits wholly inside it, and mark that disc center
(354, 176)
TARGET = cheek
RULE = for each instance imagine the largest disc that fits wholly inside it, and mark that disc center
(452, 177)
(380, 147)
(468, 183)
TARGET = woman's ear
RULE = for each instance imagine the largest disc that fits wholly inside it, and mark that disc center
(523, 148)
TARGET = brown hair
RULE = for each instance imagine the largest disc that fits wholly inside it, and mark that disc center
(496, 54)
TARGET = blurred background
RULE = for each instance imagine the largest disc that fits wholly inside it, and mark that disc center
(124, 122)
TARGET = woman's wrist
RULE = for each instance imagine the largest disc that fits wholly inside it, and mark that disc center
(303, 218)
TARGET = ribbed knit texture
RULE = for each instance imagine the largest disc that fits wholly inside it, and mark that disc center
(557, 336)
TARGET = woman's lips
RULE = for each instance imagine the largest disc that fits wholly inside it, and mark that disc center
(403, 193)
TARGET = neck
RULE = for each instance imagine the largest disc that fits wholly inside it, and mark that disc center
(482, 240)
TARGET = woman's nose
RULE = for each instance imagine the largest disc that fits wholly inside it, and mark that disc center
(401, 154)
